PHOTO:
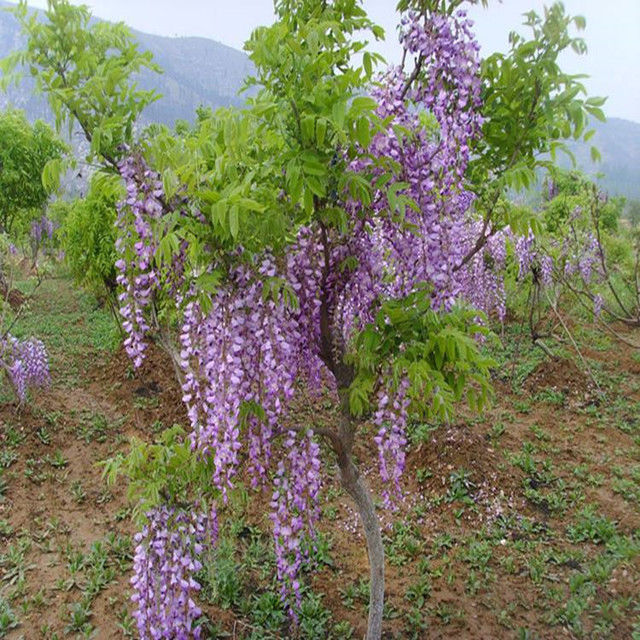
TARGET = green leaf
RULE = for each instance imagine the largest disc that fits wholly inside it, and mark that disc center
(312, 166)
(308, 200)
(363, 132)
(339, 112)
(363, 104)
(208, 282)
(234, 221)
(595, 101)
(366, 62)
(170, 183)
(321, 131)
(596, 112)
(316, 186)
(51, 174)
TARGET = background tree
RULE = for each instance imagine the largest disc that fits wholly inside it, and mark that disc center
(582, 251)
(86, 70)
(567, 191)
(632, 212)
(530, 107)
(87, 234)
(25, 151)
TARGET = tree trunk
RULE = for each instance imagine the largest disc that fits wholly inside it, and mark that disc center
(354, 485)
(332, 353)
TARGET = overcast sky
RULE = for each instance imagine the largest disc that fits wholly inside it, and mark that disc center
(612, 33)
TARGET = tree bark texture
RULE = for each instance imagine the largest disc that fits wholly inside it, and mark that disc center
(355, 486)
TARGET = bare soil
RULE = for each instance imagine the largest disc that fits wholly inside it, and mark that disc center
(584, 445)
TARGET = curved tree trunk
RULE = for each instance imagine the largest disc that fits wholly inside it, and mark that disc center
(332, 353)
(355, 486)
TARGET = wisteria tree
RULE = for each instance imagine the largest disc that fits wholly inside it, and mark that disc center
(23, 361)
(343, 232)
(25, 151)
(579, 253)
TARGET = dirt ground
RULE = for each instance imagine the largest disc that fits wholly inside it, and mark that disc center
(521, 523)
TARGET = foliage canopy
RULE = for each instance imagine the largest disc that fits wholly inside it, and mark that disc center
(25, 152)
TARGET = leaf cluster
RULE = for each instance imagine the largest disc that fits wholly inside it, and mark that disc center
(167, 471)
(575, 191)
(88, 234)
(25, 152)
(87, 70)
(259, 173)
(313, 100)
(437, 352)
(530, 106)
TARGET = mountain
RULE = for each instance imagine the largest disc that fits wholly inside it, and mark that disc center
(619, 144)
(198, 71)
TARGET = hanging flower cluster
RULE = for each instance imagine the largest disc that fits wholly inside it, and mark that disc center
(26, 363)
(482, 281)
(598, 303)
(42, 229)
(397, 252)
(583, 258)
(165, 562)
(240, 363)
(137, 245)
(577, 257)
(546, 270)
(295, 508)
(241, 360)
(449, 88)
(391, 419)
(578, 254)
(526, 254)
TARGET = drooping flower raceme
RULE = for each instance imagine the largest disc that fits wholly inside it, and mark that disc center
(391, 420)
(240, 363)
(136, 245)
(295, 508)
(42, 229)
(598, 302)
(165, 562)
(396, 253)
(26, 363)
(578, 255)
(546, 270)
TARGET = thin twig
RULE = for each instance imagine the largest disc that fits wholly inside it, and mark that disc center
(538, 342)
(573, 342)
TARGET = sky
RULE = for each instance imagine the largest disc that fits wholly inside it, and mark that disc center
(612, 33)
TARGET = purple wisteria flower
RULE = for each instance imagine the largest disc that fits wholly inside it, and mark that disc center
(598, 302)
(164, 566)
(42, 229)
(26, 363)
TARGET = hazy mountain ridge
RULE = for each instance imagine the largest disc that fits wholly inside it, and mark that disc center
(195, 71)
(200, 71)
(618, 141)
